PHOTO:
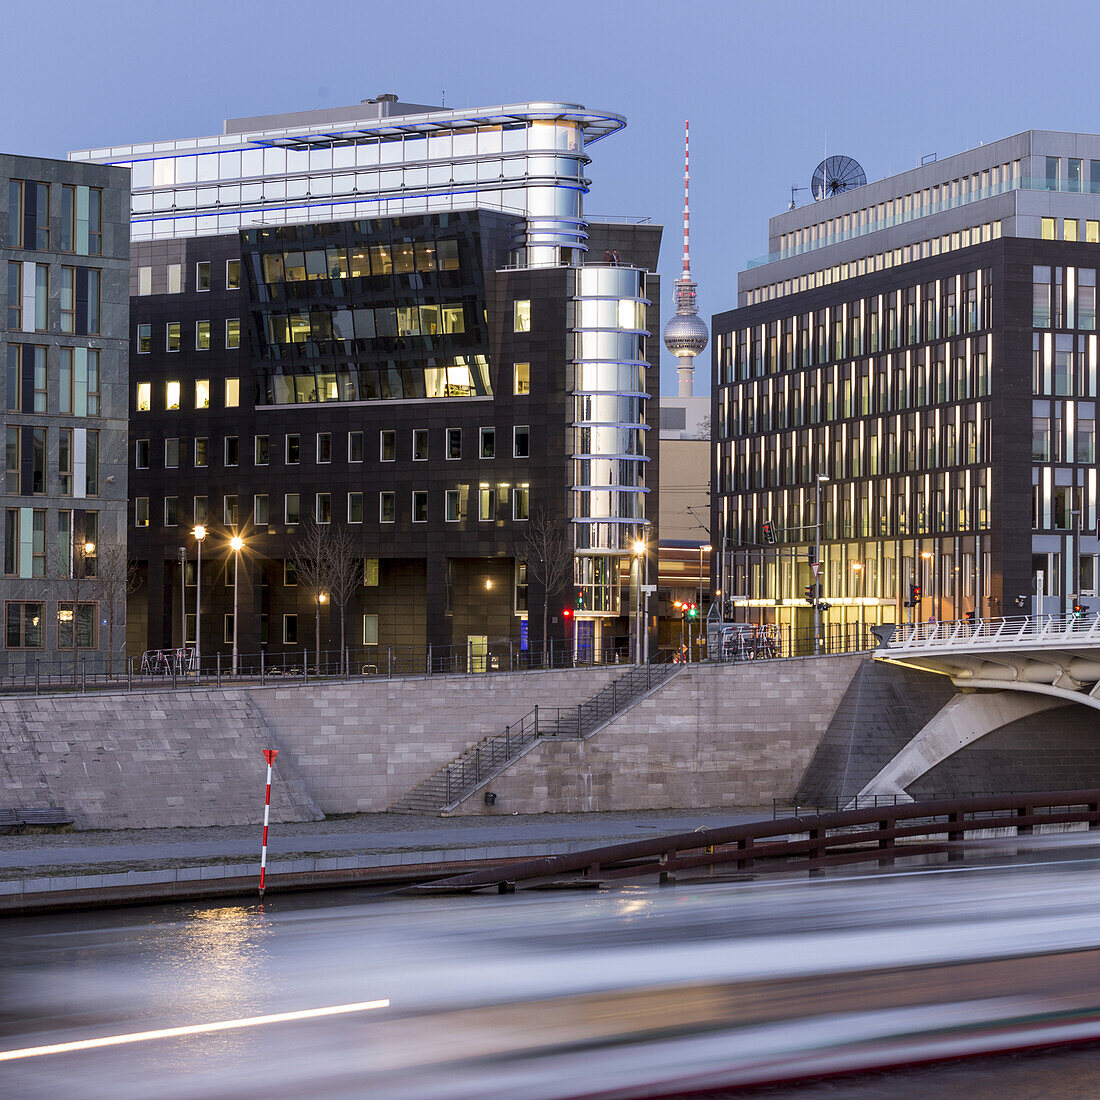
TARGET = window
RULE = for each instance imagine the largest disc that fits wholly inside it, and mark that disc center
(521, 587)
(23, 625)
(171, 454)
(454, 443)
(1047, 228)
(232, 450)
(323, 513)
(521, 502)
(232, 274)
(1052, 174)
(370, 630)
(324, 446)
(293, 449)
(202, 336)
(355, 507)
(387, 446)
(230, 512)
(175, 278)
(202, 393)
(386, 507)
(1069, 229)
(228, 626)
(370, 572)
(78, 376)
(487, 504)
(38, 460)
(144, 339)
(144, 401)
(202, 275)
(85, 626)
(141, 511)
(28, 215)
(233, 332)
(1073, 174)
(172, 336)
(82, 220)
(521, 441)
(420, 444)
(232, 393)
(259, 510)
(171, 395)
(451, 513)
(291, 508)
(355, 446)
(262, 447)
(202, 448)
(91, 463)
(200, 512)
(145, 281)
(141, 454)
(12, 459)
(290, 629)
(521, 316)
(290, 574)
(420, 506)
(171, 511)
(488, 442)
(521, 379)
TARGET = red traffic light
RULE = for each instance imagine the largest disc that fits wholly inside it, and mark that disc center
(567, 613)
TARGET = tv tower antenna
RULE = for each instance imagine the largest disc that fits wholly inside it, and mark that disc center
(686, 334)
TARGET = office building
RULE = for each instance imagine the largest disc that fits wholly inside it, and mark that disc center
(397, 320)
(64, 251)
(919, 353)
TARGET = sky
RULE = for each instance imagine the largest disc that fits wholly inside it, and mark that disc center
(767, 87)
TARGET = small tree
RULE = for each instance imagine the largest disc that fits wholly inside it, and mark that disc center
(345, 574)
(118, 577)
(311, 555)
(76, 580)
(548, 550)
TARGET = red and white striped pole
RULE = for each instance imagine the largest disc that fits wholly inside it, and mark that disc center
(269, 756)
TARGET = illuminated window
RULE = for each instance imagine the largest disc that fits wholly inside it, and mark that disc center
(370, 630)
(232, 392)
(172, 336)
(1047, 229)
(232, 274)
(202, 335)
(233, 332)
(521, 316)
(171, 395)
(521, 379)
(1092, 232)
(202, 393)
(1069, 229)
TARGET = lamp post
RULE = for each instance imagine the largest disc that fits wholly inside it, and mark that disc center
(639, 553)
(183, 597)
(1075, 562)
(235, 544)
(200, 533)
(322, 599)
(857, 568)
(819, 586)
(926, 556)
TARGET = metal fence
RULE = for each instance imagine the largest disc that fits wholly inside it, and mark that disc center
(747, 642)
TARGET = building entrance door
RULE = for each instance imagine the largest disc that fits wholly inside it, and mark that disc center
(586, 641)
(477, 651)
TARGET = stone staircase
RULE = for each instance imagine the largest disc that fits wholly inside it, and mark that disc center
(481, 762)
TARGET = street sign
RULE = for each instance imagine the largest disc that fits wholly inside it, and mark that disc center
(816, 567)
(648, 589)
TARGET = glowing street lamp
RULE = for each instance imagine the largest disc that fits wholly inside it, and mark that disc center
(640, 554)
(235, 544)
(200, 533)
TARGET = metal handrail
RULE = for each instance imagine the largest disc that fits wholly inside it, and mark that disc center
(1050, 629)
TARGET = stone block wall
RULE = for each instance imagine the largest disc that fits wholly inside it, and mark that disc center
(714, 736)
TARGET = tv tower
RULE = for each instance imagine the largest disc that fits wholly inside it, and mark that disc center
(685, 334)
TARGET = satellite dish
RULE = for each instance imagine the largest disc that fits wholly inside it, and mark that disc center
(836, 174)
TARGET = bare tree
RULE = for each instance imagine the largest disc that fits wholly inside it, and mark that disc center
(118, 577)
(76, 581)
(311, 556)
(345, 569)
(548, 550)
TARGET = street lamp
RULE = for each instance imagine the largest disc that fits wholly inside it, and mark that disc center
(640, 554)
(235, 544)
(183, 599)
(322, 599)
(819, 587)
(857, 568)
(926, 556)
(200, 533)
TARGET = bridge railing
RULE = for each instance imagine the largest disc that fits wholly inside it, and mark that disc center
(965, 633)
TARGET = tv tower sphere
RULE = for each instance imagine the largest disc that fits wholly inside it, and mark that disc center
(686, 334)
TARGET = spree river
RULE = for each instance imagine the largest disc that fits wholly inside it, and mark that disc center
(708, 988)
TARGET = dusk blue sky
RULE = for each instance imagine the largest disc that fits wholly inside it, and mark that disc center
(764, 84)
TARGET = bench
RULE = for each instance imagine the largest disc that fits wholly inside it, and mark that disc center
(45, 817)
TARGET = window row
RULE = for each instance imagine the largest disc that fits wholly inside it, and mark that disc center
(173, 277)
(1071, 230)
(25, 625)
(360, 261)
(75, 551)
(1064, 365)
(173, 336)
(76, 461)
(322, 325)
(292, 446)
(27, 380)
(173, 392)
(490, 500)
(1063, 297)
(1059, 505)
(1067, 436)
(81, 225)
(29, 297)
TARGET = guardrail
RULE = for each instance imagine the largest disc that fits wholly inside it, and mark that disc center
(1003, 632)
(804, 843)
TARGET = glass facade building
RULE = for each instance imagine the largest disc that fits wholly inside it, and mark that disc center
(892, 358)
(399, 318)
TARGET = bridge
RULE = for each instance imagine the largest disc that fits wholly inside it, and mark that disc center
(1005, 669)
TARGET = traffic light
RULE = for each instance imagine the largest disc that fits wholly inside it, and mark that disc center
(1079, 610)
(567, 613)
(693, 611)
(769, 532)
(580, 600)
(914, 595)
(808, 593)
